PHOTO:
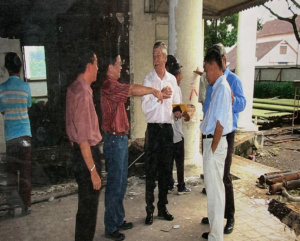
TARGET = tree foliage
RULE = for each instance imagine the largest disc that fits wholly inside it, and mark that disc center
(223, 30)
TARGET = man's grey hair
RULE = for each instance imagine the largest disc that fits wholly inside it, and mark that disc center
(220, 47)
(163, 47)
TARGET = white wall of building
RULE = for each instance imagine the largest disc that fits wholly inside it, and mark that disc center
(290, 39)
(274, 57)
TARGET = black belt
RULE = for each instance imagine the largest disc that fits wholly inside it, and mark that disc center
(160, 125)
(209, 136)
(115, 133)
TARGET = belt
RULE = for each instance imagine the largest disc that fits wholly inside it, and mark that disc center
(209, 136)
(160, 125)
(115, 133)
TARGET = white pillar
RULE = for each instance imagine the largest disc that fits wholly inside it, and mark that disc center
(245, 67)
(186, 44)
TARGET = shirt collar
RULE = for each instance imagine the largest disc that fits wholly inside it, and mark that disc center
(165, 76)
(219, 80)
(85, 85)
(226, 72)
(14, 77)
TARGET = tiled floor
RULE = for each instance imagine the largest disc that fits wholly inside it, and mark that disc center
(55, 220)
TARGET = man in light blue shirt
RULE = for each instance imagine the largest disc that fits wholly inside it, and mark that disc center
(216, 124)
(238, 105)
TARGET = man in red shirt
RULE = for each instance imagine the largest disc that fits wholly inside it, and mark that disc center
(116, 126)
(82, 128)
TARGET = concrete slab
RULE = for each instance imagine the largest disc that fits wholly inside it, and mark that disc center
(55, 220)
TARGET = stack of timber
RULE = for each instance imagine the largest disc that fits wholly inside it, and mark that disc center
(268, 113)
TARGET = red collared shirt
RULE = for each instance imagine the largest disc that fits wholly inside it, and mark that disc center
(113, 97)
(81, 118)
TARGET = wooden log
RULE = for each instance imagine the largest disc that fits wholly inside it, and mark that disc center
(285, 102)
(288, 185)
(273, 107)
(283, 177)
(263, 178)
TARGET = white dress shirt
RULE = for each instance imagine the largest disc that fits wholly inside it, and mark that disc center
(220, 108)
(154, 111)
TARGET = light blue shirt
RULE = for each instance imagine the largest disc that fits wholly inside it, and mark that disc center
(239, 102)
(219, 109)
(15, 98)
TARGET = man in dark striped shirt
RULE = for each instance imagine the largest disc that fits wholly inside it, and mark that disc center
(116, 126)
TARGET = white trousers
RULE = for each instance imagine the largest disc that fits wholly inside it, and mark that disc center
(213, 165)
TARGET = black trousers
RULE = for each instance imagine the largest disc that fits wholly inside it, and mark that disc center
(159, 152)
(229, 196)
(86, 217)
(178, 156)
(18, 154)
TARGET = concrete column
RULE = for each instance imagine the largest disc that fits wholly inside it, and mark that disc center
(245, 67)
(186, 44)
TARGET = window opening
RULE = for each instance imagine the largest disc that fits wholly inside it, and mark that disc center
(35, 71)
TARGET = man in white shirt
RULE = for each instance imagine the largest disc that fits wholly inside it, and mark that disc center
(216, 124)
(159, 135)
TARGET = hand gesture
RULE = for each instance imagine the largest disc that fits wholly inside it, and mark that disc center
(158, 95)
(167, 92)
(197, 71)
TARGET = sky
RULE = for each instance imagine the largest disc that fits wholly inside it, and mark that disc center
(278, 6)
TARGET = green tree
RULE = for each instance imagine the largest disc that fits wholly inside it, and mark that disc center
(223, 30)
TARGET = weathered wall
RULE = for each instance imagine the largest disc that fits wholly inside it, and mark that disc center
(145, 30)
(62, 26)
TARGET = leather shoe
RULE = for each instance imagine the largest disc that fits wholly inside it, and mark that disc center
(126, 226)
(205, 235)
(204, 191)
(165, 214)
(116, 235)
(205, 220)
(229, 226)
(149, 219)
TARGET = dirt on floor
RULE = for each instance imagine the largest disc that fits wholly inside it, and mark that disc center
(281, 149)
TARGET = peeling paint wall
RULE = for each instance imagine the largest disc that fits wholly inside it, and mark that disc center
(145, 30)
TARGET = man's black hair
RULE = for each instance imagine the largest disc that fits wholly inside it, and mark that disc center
(110, 57)
(170, 61)
(213, 55)
(172, 65)
(13, 63)
(175, 69)
(85, 56)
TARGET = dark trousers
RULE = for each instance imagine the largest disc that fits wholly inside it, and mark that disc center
(178, 156)
(229, 196)
(86, 217)
(18, 154)
(159, 149)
